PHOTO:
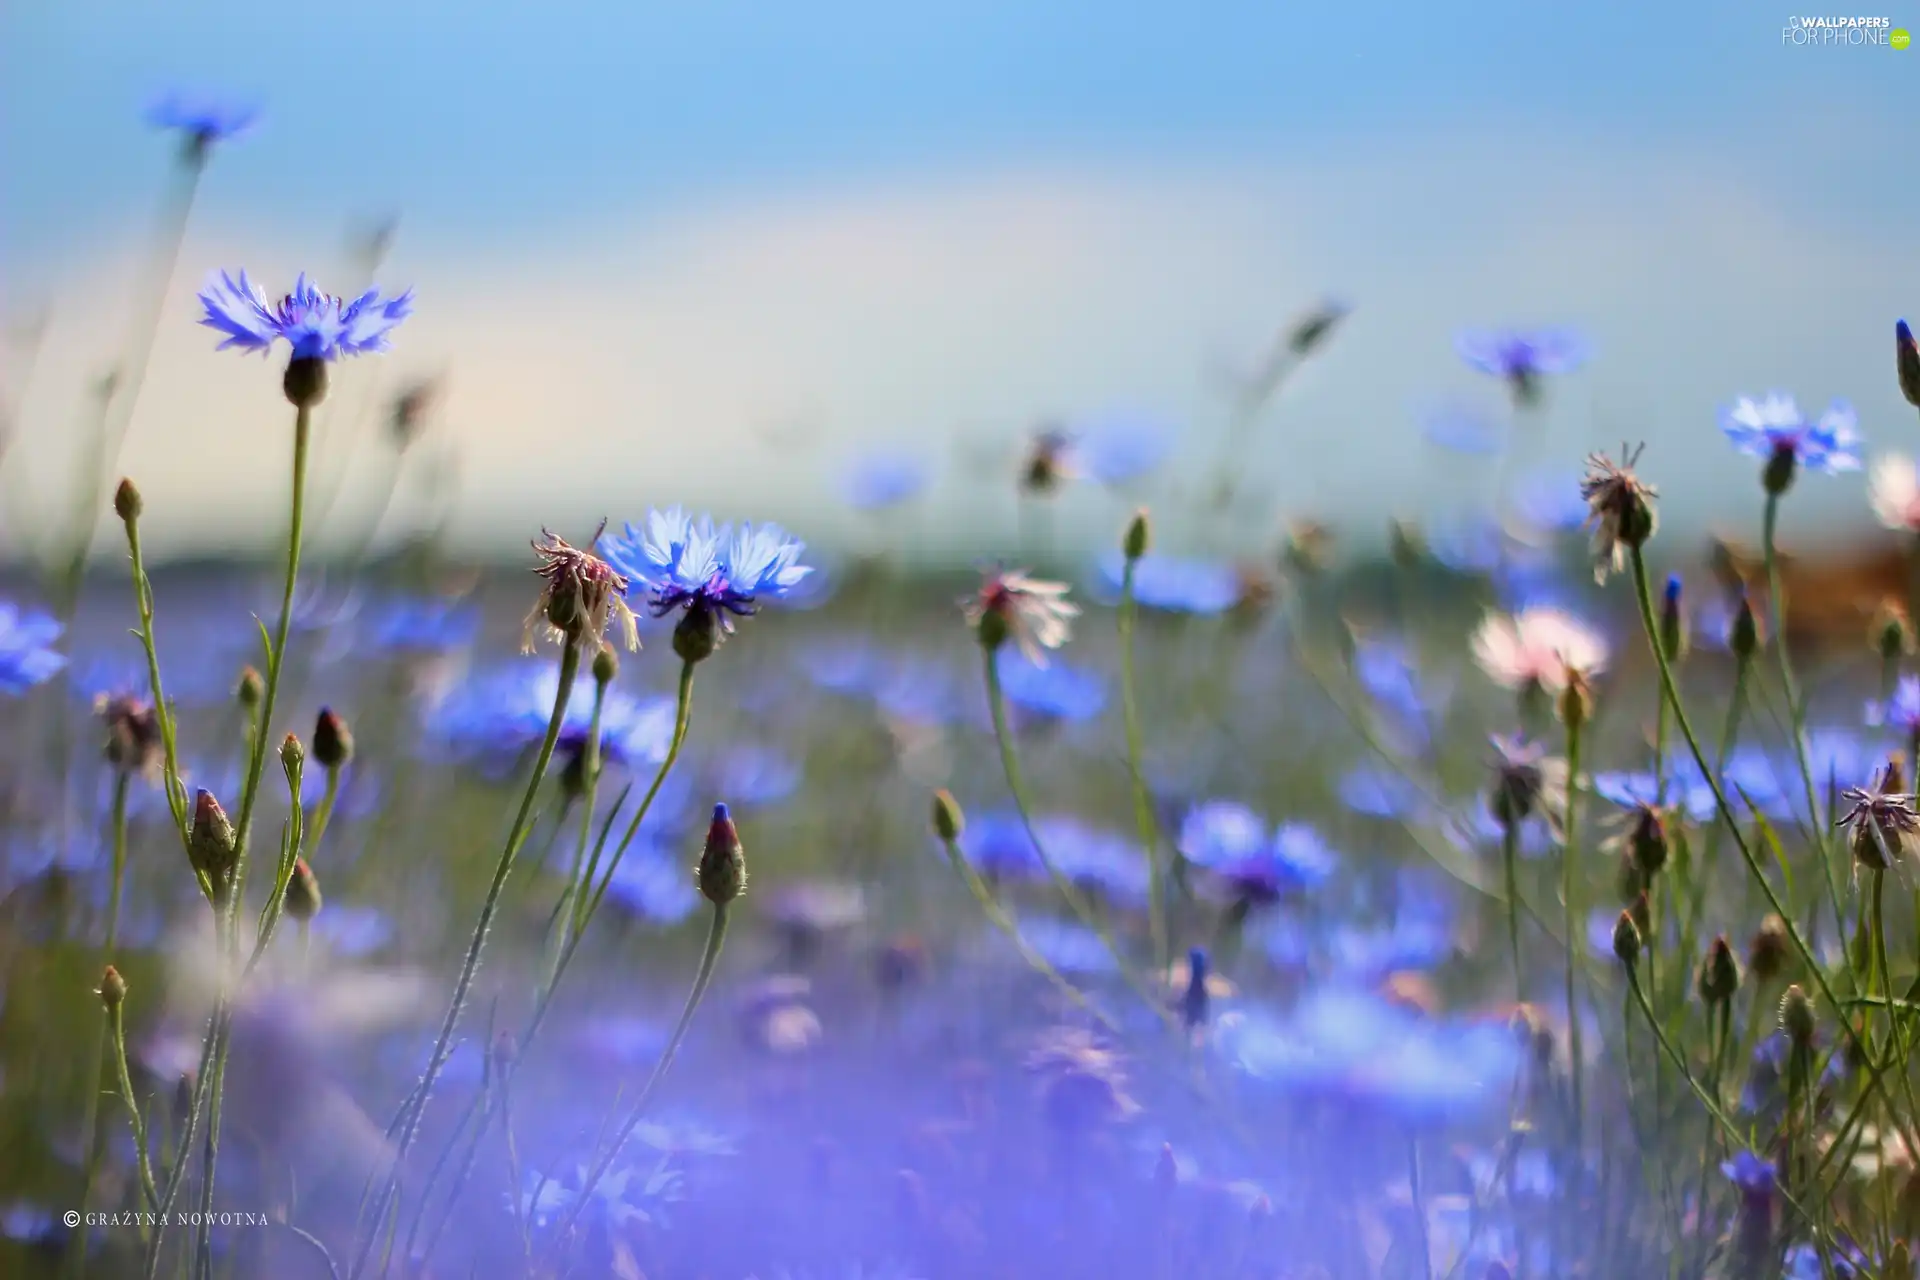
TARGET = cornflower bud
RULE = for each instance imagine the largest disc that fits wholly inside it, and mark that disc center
(722, 872)
(126, 501)
(1139, 535)
(948, 821)
(1719, 976)
(113, 988)
(332, 742)
(303, 892)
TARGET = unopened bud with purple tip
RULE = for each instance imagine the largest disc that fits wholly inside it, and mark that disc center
(1673, 622)
(722, 873)
(1906, 362)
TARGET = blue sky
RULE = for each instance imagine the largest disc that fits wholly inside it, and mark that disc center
(1472, 147)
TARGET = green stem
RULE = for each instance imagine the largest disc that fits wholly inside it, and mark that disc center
(90, 1147)
(1510, 863)
(1142, 805)
(1805, 952)
(443, 1043)
(119, 1034)
(1703, 876)
(1570, 886)
(1010, 765)
(228, 908)
(709, 959)
(169, 743)
(573, 900)
(1000, 920)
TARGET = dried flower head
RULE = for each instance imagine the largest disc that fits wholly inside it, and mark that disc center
(133, 732)
(1882, 822)
(1049, 463)
(1619, 509)
(1033, 613)
(1525, 782)
(581, 596)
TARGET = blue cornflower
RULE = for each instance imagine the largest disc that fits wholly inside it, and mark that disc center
(202, 120)
(1094, 859)
(710, 571)
(1221, 831)
(997, 844)
(353, 931)
(421, 625)
(884, 480)
(1774, 428)
(1380, 792)
(318, 326)
(504, 711)
(1902, 710)
(1750, 1173)
(653, 887)
(753, 774)
(1122, 448)
(1470, 543)
(1550, 501)
(1174, 583)
(26, 654)
(1520, 357)
(1464, 430)
(1056, 690)
(1070, 948)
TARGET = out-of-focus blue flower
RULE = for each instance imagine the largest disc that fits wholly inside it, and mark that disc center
(1385, 669)
(1902, 710)
(353, 931)
(752, 774)
(918, 691)
(621, 1040)
(1522, 355)
(1380, 792)
(1749, 1172)
(316, 325)
(1122, 447)
(1221, 831)
(1470, 543)
(1478, 830)
(1463, 429)
(1629, 790)
(1175, 584)
(1358, 1046)
(202, 119)
(1070, 948)
(697, 565)
(884, 480)
(412, 624)
(1774, 424)
(653, 886)
(1550, 501)
(501, 713)
(1095, 859)
(1056, 690)
(997, 844)
(26, 653)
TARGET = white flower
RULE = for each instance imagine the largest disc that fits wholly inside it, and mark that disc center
(1893, 490)
(1537, 646)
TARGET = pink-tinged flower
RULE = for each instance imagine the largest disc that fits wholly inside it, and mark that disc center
(580, 597)
(1033, 613)
(1538, 646)
(1893, 490)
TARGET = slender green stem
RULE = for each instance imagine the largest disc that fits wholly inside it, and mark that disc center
(709, 960)
(1703, 876)
(1010, 765)
(1754, 868)
(1570, 891)
(89, 1136)
(1136, 774)
(1510, 864)
(1000, 920)
(443, 1042)
(573, 900)
(117, 1027)
(163, 715)
(683, 718)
